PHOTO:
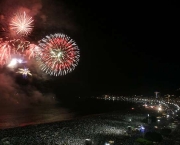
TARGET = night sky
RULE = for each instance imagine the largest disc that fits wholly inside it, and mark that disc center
(126, 47)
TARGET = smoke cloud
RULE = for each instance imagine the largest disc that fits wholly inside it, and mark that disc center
(14, 95)
(32, 7)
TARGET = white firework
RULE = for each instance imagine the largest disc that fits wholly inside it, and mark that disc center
(24, 71)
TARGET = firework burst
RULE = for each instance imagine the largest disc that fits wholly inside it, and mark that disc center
(32, 51)
(19, 46)
(59, 54)
(5, 52)
(22, 24)
(24, 71)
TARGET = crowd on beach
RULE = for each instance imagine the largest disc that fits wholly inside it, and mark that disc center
(99, 129)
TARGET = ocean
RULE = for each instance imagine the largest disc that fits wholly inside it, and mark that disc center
(11, 117)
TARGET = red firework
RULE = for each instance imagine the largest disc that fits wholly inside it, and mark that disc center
(11, 48)
(32, 51)
(59, 54)
(5, 52)
(19, 46)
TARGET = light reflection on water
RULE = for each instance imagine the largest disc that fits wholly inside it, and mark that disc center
(34, 115)
(11, 116)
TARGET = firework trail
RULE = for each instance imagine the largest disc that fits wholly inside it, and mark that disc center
(10, 48)
(19, 46)
(5, 52)
(32, 51)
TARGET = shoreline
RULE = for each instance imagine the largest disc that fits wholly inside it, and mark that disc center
(98, 127)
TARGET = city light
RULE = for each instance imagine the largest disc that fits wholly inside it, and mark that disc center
(159, 108)
(142, 128)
